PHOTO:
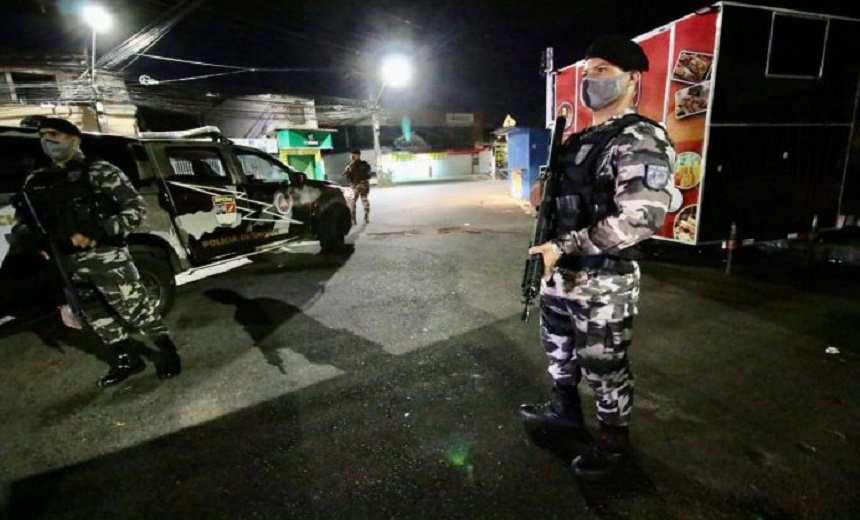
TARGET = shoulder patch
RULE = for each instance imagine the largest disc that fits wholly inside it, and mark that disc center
(656, 176)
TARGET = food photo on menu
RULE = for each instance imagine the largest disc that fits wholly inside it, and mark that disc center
(692, 67)
(566, 111)
(685, 224)
(688, 170)
(692, 100)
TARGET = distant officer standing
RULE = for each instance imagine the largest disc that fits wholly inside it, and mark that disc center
(87, 208)
(611, 195)
(358, 174)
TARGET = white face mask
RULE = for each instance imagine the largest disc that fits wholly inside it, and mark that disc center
(601, 92)
(57, 150)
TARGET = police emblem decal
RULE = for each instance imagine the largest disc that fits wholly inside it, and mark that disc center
(582, 153)
(283, 203)
(656, 176)
(226, 212)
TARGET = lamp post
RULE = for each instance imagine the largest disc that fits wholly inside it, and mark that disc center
(396, 72)
(99, 20)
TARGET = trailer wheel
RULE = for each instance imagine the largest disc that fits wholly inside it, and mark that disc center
(156, 275)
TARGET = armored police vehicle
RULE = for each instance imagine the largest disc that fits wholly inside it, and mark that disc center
(210, 202)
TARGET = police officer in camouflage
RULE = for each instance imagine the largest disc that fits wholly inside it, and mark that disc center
(358, 174)
(86, 208)
(611, 195)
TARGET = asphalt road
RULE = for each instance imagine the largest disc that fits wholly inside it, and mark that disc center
(382, 383)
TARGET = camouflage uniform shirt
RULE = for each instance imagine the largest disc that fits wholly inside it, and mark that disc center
(587, 314)
(640, 209)
(105, 277)
(357, 171)
(109, 180)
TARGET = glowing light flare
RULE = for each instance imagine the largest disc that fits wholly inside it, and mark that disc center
(457, 456)
(396, 71)
(97, 17)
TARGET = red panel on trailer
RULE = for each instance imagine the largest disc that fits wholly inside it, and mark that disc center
(652, 95)
(692, 61)
(565, 97)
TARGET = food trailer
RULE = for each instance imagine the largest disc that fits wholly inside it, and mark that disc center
(761, 105)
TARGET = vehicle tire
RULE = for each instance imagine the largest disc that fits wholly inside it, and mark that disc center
(157, 276)
(335, 226)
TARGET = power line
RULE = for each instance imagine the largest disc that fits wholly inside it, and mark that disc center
(238, 68)
(151, 81)
(191, 62)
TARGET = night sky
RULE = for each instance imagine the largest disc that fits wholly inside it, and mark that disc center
(471, 55)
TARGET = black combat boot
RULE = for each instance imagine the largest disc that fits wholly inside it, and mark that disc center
(167, 363)
(562, 411)
(603, 456)
(125, 363)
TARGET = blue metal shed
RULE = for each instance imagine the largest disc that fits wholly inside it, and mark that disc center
(527, 152)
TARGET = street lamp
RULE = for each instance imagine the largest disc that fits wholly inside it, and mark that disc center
(99, 20)
(396, 71)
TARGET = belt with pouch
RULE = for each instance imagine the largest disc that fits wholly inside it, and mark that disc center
(608, 263)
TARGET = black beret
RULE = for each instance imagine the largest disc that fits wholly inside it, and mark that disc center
(619, 51)
(60, 125)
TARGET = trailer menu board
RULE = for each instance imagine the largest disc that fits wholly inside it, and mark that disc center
(688, 94)
(675, 91)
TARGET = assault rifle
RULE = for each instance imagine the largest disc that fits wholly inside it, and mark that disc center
(546, 219)
(72, 297)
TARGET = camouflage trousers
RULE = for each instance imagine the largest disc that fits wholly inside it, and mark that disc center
(115, 302)
(585, 328)
(362, 190)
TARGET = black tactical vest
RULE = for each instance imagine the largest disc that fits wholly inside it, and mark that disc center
(359, 171)
(583, 198)
(66, 203)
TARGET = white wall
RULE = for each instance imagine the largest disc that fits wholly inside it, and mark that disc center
(269, 146)
(439, 166)
(485, 163)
